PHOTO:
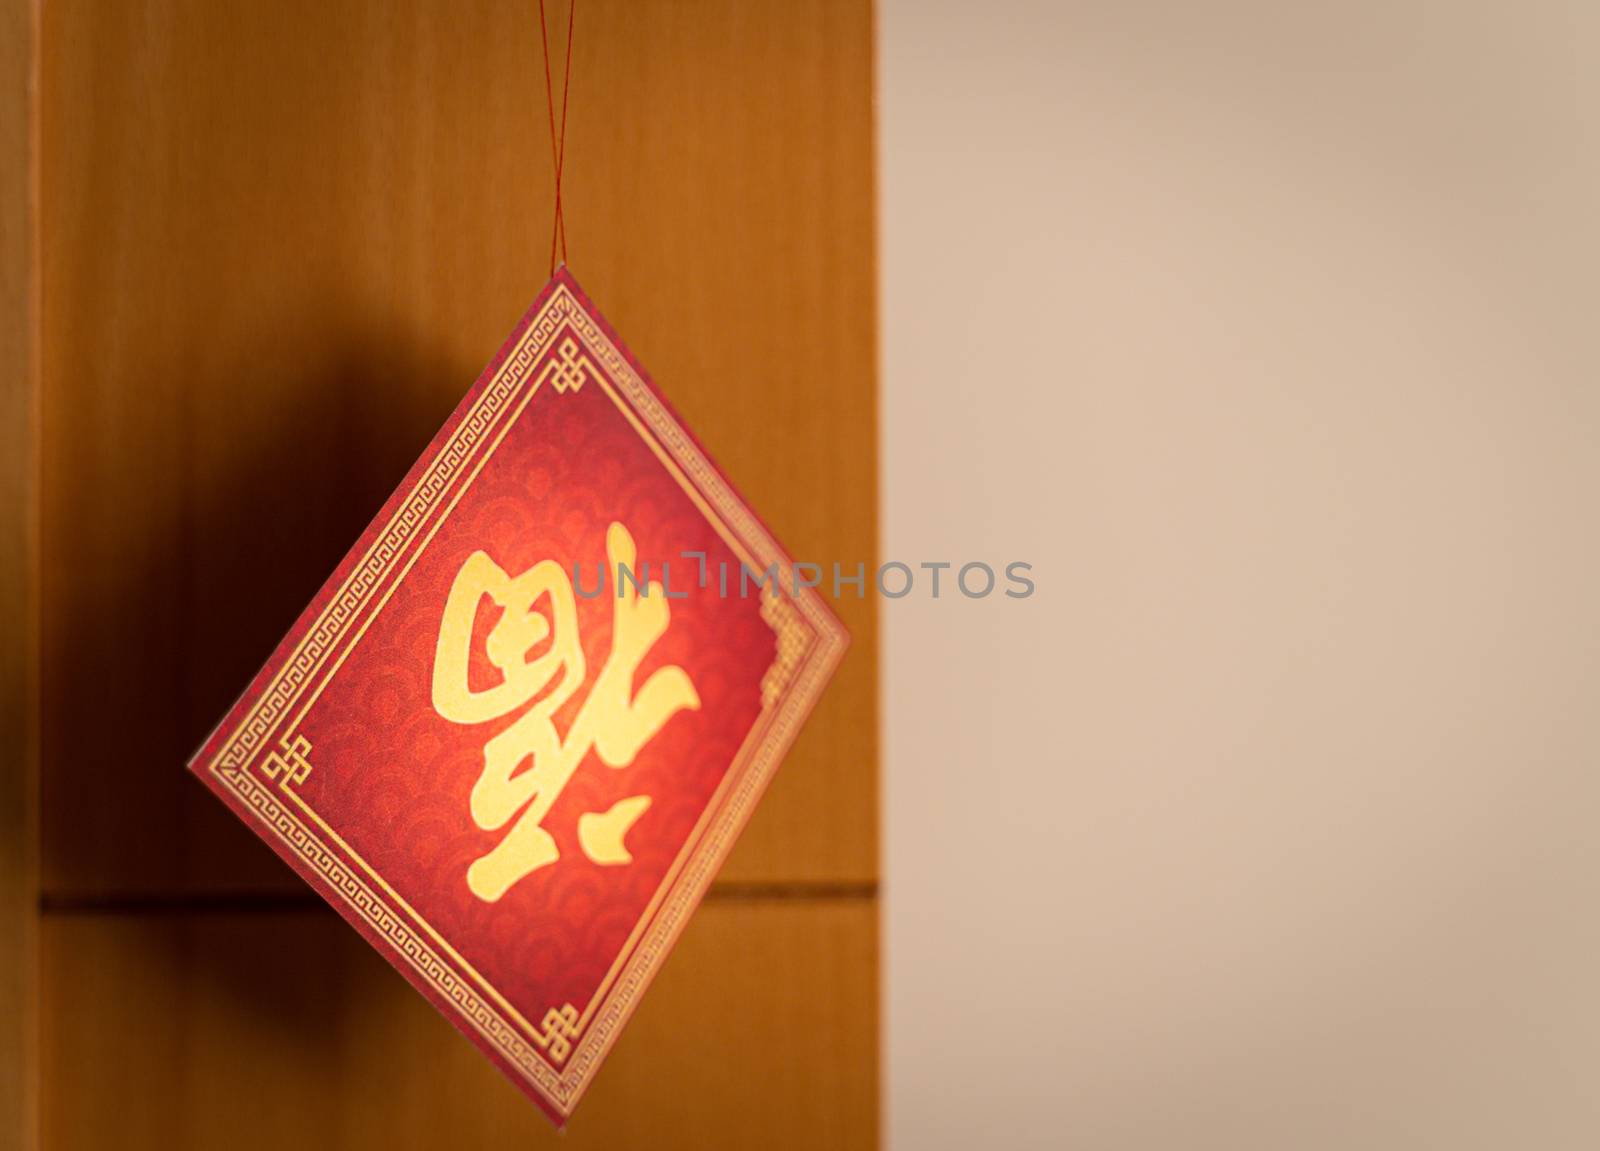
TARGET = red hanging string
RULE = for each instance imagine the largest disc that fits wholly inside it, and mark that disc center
(558, 145)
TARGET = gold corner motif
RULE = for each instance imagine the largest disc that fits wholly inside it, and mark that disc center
(291, 763)
(569, 369)
(559, 1027)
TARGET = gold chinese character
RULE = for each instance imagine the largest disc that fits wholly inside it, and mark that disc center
(614, 720)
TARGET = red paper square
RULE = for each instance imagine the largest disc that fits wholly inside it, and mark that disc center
(359, 750)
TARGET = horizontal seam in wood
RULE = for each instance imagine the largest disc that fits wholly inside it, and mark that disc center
(279, 902)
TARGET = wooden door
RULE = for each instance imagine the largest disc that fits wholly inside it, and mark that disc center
(274, 243)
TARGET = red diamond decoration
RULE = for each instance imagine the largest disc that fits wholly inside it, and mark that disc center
(519, 728)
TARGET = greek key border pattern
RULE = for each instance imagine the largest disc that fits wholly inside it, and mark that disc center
(824, 656)
(820, 657)
(380, 558)
(381, 918)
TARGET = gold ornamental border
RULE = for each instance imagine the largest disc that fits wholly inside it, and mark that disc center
(789, 690)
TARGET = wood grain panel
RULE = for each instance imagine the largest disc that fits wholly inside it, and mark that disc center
(280, 240)
(270, 1031)
(18, 567)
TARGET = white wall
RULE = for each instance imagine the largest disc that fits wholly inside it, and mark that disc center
(1268, 333)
